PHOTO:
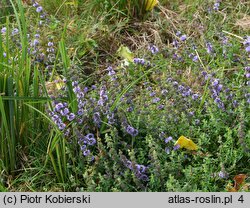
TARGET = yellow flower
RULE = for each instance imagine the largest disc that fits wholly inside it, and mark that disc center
(186, 143)
(150, 4)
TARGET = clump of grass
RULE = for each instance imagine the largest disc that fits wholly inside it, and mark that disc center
(19, 90)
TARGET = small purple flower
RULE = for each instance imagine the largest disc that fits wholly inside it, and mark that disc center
(79, 121)
(79, 95)
(139, 61)
(216, 6)
(35, 42)
(58, 107)
(15, 31)
(61, 126)
(187, 93)
(168, 139)
(3, 30)
(111, 119)
(86, 152)
(164, 92)
(67, 132)
(140, 168)
(132, 131)
(76, 89)
(39, 9)
(111, 71)
(219, 87)
(167, 150)
(195, 96)
(83, 147)
(181, 88)
(160, 107)
(215, 82)
(235, 103)
(50, 44)
(91, 141)
(130, 109)
(97, 118)
(156, 100)
(55, 117)
(175, 43)
(247, 49)
(178, 33)
(191, 113)
(175, 83)
(71, 116)
(35, 4)
(128, 164)
(176, 147)
(143, 177)
(195, 58)
(209, 47)
(183, 37)
(89, 136)
(64, 111)
(80, 112)
(247, 40)
(247, 75)
(42, 16)
(74, 83)
(153, 49)
(222, 174)
(37, 36)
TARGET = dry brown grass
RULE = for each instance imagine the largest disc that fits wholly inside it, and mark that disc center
(244, 22)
